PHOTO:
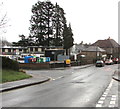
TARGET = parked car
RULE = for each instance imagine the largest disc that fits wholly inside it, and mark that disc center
(99, 63)
(109, 62)
(115, 60)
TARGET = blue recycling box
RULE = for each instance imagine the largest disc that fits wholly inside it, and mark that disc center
(47, 59)
(26, 59)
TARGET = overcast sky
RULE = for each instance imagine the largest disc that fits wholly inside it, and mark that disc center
(91, 20)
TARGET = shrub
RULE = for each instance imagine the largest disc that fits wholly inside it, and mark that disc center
(9, 64)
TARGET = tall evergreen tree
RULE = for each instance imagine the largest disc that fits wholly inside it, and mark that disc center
(68, 38)
(59, 21)
(41, 22)
(48, 24)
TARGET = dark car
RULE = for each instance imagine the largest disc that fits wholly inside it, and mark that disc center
(99, 63)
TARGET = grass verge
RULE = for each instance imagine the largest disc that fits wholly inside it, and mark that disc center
(10, 75)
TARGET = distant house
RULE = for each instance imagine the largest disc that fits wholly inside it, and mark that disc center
(110, 45)
(92, 53)
(77, 49)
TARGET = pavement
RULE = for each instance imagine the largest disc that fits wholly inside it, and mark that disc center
(116, 75)
(36, 79)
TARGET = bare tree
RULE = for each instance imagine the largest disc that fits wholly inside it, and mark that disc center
(3, 19)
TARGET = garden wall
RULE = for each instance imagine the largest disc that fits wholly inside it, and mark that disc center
(34, 66)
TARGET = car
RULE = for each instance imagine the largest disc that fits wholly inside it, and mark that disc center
(115, 60)
(100, 63)
(109, 62)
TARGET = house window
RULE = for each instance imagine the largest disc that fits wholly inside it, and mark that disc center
(9, 50)
(20, 49)
(24, 50)
(14, 50)
(43, 49)
(31, 49)
(36, 49)
(3, 50)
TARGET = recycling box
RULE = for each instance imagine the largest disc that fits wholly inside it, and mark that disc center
(47, 59)
(44, 59)
(26, 59)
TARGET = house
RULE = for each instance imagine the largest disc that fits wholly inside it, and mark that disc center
(92, 53)
(76, 49)
(110, 45)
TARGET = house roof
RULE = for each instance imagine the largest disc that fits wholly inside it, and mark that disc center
(80, 47)
(107, 43)
(94, 49)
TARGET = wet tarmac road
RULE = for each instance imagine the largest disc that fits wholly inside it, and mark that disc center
(71, 87)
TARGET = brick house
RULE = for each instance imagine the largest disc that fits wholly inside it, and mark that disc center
(110, 45)
(92, 53)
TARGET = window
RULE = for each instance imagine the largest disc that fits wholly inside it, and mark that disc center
(31, 49)
(3, 50)
(20, 49)
(36, 49)
(9, 50)
(43, 49)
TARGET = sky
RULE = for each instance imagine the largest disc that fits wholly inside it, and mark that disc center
(91, 20)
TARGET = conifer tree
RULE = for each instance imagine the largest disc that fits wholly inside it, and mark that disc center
(68, 38)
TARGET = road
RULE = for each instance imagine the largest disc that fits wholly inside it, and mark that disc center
(69, 87)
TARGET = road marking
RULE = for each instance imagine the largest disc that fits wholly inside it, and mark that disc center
(114, 96)
(100, 102)
(111, 106)
(58, 78)
(102, 99)
(113, 101)
(99, 105)
(104, 95)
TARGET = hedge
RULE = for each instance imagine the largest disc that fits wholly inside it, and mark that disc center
(9, 64)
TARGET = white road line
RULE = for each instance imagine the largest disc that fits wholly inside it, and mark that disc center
(102, 99)
(111, 106)
(104, 95)
(100, 102)
(58, 78)
(113, 101)
(99, 105)
(114, 96)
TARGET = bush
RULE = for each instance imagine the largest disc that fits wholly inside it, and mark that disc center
(9, 64)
